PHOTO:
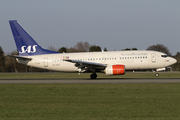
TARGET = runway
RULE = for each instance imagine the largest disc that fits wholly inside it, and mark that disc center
(89, 81)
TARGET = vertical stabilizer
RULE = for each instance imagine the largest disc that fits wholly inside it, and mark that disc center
(26, 45)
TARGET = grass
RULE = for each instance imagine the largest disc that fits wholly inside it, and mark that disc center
(89, 101)
(85, 75)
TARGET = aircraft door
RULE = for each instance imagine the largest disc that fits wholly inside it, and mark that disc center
(45, 62)
(153, 57)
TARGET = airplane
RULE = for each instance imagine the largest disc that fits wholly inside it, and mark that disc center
(110, 62)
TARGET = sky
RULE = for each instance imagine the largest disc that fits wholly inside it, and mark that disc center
(114, 24)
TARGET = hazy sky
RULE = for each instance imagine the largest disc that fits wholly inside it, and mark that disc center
(114, 24)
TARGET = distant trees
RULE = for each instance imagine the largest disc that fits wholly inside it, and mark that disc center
(52, 48)
(71, 50)
(79, 47)
(134, 49)
(105, 49)
(94, 48)
(160, 48)
(11, 63)
(130, 49)
(2, 60)
(82, 46)
(176, 66)
(62, 49)
(13, 66)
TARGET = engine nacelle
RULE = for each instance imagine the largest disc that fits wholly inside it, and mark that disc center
(160, 69)
(115, 70)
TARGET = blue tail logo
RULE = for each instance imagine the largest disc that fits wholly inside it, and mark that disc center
(28, 49)
(26, 45)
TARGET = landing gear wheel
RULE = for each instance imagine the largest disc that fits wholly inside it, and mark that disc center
(157, 75)
(93, 76)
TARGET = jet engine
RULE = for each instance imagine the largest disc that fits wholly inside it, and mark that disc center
(115, 70)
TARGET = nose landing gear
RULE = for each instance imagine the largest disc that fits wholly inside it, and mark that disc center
(157, 74)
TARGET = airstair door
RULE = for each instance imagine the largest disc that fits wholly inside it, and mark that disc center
(45, 62)
(153, 57)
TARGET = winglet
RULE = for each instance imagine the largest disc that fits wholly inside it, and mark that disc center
(25, 44)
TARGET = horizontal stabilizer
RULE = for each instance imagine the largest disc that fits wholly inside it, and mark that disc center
(16, 56)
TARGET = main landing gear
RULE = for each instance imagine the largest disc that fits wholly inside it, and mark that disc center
(93, 76)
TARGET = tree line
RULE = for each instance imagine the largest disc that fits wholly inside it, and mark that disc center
(9, 64)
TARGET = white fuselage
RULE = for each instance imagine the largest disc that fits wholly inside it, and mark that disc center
(132, 60)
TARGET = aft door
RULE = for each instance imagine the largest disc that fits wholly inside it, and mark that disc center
(45, 62)
(153, 57)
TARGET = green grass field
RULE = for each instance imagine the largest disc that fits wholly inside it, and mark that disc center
(85, 75)
(89, 101)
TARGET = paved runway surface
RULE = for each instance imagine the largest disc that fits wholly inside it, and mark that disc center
(88, 81)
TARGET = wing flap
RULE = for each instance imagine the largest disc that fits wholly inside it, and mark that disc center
(89, 64)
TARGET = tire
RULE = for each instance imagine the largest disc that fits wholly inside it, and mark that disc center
(93, 76)
(157, 74)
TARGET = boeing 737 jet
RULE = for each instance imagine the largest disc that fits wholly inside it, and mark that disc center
(111, 62)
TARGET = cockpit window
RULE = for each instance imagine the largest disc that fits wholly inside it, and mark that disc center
(164, 56)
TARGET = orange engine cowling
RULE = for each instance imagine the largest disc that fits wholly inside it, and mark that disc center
(115, 70)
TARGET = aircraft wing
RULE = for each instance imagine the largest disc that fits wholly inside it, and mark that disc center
(16, 56)
(91, 65)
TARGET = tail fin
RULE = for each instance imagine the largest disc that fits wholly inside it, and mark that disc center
(25, 44)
